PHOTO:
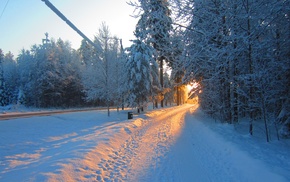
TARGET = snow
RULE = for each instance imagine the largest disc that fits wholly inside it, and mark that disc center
(171, 144)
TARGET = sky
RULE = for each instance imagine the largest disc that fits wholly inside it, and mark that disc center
(24, 23)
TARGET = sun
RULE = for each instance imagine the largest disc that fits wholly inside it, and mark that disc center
(191, 86)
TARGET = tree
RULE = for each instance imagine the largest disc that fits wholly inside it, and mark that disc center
(10, 79)
(120, 73)
(49, 75)
(234, 49)
(100, 80)
(140, 66)
(86, 52)
(206, 57)
(177, 65)
(26, 68)
(154, 28)
(169, 91)
(70, 74)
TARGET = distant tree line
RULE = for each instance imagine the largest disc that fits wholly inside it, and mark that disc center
(48, 75)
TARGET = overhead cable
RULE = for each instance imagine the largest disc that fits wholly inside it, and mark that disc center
(4, 9)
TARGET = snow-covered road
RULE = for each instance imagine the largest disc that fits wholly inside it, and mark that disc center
(140, 157)
(171, 144)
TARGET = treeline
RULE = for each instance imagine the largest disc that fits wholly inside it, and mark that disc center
(105, 74)
(239, 52)
(48, 75)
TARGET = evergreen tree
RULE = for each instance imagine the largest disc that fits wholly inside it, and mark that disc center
(10, 79)
(86, 52)
(26, 68)
(154, 28)
(141, 75)
(50, 75)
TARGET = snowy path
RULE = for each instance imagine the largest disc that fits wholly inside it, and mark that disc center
(143, 152)
(169, 144)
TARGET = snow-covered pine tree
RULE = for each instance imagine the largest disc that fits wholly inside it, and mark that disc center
(26, 67)
(154, 28)
(86, 52)
(10, 78)
(70, 74)
(141, 67)
(50, 75)
(30, 68)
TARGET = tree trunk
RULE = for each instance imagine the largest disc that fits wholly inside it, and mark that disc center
(177, 96)
(233, 85)
(107, 76)
(161, 79)
(251, 94)
(108, 108)
(265, 118)
(123, 105)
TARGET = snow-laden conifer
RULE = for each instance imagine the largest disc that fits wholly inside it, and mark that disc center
(142, 75)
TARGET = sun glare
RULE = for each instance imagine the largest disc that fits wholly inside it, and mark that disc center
(190, 86)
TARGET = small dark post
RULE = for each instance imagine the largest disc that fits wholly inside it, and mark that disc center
(130, 115)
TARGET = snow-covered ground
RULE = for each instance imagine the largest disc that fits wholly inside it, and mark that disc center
(172, 144)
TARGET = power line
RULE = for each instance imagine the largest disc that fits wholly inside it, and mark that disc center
(4, 9)
(59, 14)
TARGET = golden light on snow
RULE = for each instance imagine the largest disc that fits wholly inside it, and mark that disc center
(110, 151)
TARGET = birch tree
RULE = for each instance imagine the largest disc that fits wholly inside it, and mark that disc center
(99, 79)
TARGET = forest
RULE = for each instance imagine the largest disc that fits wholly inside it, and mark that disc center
(236, 52)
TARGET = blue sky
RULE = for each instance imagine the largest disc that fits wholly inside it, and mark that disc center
(24, 22)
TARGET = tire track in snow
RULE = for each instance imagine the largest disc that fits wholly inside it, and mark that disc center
(143, 152)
